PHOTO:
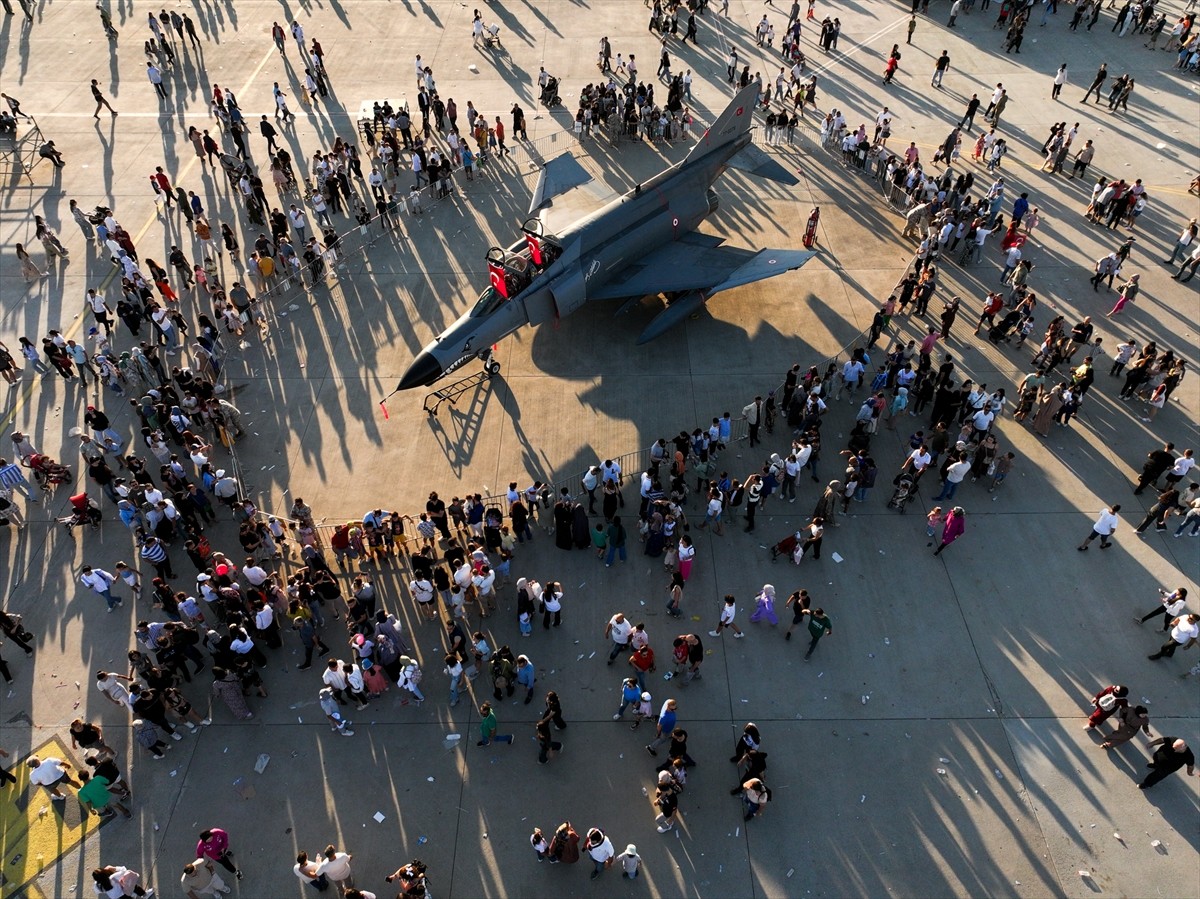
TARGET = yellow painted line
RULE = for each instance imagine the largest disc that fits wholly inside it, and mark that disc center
(78, 323)
(36, 832)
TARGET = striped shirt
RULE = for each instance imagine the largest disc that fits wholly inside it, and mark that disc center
(12, 476)
(153, 552)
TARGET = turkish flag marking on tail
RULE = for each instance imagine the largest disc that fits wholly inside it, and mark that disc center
(740, 110)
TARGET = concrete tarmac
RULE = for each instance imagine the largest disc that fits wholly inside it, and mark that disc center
(979, 663)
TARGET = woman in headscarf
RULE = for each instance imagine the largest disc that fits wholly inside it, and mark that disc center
(955, 525)
(826, 507)
(1048, 407)
(764, 605)
(579, 527)
(564, 521)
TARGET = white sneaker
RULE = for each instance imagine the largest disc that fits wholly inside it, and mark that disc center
(714, 633)
(206, 722)
(616, 717)
(347, 733)
(176, 737)
(738, 636)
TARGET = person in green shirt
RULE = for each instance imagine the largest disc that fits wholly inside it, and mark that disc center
(488, 727)
(819, 626)
(94, 795)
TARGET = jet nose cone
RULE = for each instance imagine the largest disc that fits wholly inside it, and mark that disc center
(423, 372)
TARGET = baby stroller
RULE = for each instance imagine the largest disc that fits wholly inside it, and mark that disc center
(784, 547)
(46, 472)
(550, 97)
(84, 511)
(906, 491)
(493, 518)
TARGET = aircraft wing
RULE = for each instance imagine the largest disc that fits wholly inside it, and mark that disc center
(559, 175)
(696, 262)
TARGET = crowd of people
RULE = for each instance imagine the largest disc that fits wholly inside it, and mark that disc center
(296, 574)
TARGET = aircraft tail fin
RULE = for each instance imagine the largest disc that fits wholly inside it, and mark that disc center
(730, 124)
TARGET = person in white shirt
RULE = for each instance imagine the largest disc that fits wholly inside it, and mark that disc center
(918, 460)
(100, 581)
(955, 473)
(600, 850)
(1104, 528)
(619, 631)
(1180, 469)
(336, 866)
(335, 679)
(1173, 604)
(1185, 631)
(485, 587)
(728, 611)
(49, 773)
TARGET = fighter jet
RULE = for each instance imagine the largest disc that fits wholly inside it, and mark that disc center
(642, 243)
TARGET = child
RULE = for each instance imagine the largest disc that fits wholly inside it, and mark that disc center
(1003, 465)
(726, 621)
(468, 161)
(935, 517)
(482, 651)
(278, 534)
(599, 540)
(526, 622)
(504, 566)
(1025, 329)
(508, 540)
(396, 529)
(644, 710)
(539, 844)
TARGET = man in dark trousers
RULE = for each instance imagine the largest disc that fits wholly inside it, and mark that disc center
(268, 131)
(1172, 754)
(1157, 463)
(1097, 83)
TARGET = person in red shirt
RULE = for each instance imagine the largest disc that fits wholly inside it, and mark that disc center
(500, 137)
(162, 184)
(642, 662)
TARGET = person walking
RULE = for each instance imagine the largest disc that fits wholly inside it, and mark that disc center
(100, 582)
(953, 528)
(1185, 632)
(600, 850)
(666, 723)
(1105, 703)
(488, 727)
(755, 796)
(728, 611)
(101, 101)
(1172, 754)
(1060, 78)
(1130, 721)
(1104, 528)
(618, 630)
(819, 626)
(200, 878)
(546, 743)
(154, 74)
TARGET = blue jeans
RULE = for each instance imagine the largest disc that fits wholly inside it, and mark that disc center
(617, 649)
(948, 490)
(321, 883)
(613, 551)
(455, 680)
(110, 599)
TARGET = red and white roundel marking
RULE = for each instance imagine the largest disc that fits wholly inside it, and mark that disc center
(740, 109)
